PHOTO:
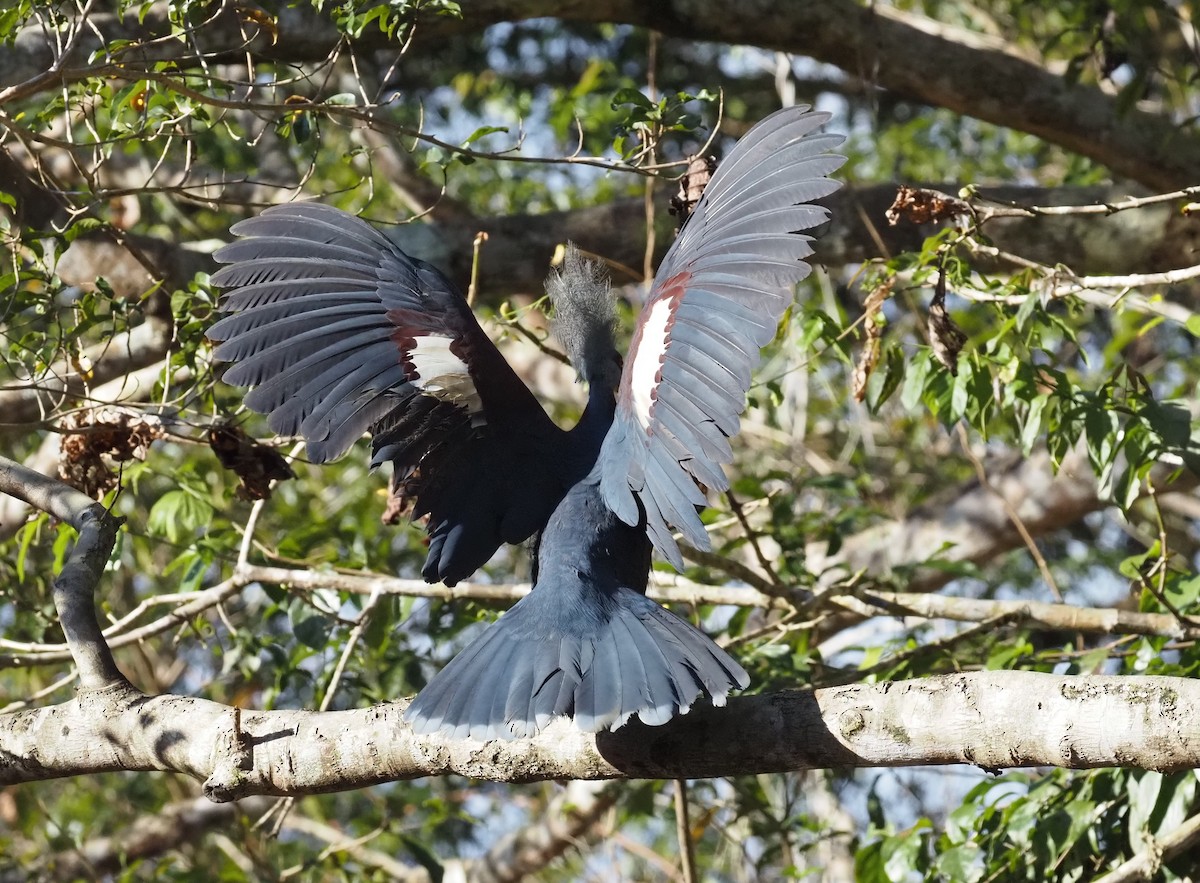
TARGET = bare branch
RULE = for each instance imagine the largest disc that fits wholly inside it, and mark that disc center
(1145, 866)
(995, 720)
(75, 586)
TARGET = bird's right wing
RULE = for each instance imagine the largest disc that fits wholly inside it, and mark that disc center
(341, 333)
(717, 299)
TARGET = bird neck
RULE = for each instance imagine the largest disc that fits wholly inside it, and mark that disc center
(599, 412)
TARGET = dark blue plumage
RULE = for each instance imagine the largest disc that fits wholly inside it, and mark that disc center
(341, 333)
(586, 642)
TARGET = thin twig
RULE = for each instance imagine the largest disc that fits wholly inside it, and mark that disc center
(1011, 512)
(938, 646)
(1012, 209)
(683, 831)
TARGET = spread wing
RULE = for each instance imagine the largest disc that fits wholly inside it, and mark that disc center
(341, 333)
(717, 299)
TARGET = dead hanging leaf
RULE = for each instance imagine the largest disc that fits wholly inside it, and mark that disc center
(691, 187)
(918, 205)
(873, 329)
(946, 338)
(256, 464)
(94, 440)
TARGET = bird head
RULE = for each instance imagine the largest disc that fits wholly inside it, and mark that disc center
(584, 317)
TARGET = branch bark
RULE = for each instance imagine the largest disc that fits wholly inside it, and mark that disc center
(994, 720)
(74, 587)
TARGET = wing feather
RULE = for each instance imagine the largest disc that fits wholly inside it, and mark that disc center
(341, 333)
(719, 295)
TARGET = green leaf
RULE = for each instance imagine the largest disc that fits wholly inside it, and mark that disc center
(1182, 590)
(963, 863)
(885, 383)
(481, 132)
(811, 328)
(914, 380)
(1131, 567)
(631, 96)
(902, 853)
(960, 392)
(179, 514)
(1028, 305)
(1171, 421)
(868, 864)
(25, 537)
(1032, 427)
(313, 631)
(424, 858)
(1193, 325)
(1102, 433)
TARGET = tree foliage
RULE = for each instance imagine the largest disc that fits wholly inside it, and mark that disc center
(990, 393)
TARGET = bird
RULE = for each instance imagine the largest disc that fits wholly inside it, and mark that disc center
(339, 333)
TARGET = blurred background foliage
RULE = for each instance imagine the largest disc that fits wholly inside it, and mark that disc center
(122, 167)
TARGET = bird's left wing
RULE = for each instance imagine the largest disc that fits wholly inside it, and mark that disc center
(717, 299)
(341, 333)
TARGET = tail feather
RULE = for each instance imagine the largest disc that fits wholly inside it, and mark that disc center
(713, 672)
(598, 702)
(660, 686)
(490, 694)
(446, 702)
(541, 661)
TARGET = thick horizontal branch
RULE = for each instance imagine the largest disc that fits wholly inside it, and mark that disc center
(912, 56)
(992, 719)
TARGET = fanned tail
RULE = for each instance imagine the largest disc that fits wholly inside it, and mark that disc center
(600, 666)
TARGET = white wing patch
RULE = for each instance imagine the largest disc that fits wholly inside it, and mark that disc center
(647, 361)
(438, 372)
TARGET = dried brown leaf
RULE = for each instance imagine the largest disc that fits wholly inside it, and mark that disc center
(946, 338)
(254, 463)
(93, 440)
(918, 205)
(691, 187)
(873, 329)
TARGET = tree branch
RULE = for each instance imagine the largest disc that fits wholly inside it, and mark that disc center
(75, 586)
(971, 525)
(1145, 866)
(171, 827)
(995, 720)
(905, 53)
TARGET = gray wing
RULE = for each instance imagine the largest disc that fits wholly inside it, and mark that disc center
(718, 298)
(340, 333)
